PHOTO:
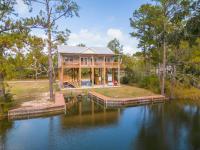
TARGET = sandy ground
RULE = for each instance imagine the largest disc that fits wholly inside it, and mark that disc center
(43, 100)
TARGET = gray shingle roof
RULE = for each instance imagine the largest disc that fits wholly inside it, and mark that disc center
(84, 50)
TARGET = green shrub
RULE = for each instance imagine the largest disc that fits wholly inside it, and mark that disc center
(150, 82)
(7, 98)
(4, 107)
(6, 102)
(125, 80)
(131, 77)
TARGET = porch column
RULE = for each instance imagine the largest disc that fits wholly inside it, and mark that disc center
(118, 72)
(77, 75)
(61, 75)
(92, 70)
(79, 71)
(72, 74)
(100, 75)
(104, 71)
(113, 75)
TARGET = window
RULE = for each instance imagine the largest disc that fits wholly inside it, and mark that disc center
(107, 59)
(84, 60)
(68, 59)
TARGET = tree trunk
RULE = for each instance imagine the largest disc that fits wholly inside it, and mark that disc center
(36, 74)
(145, 55)
(163, 69)
(146, 65)
(36, 70)
(50, 52)
(54, 74)
(2, 86)
(164, 57)
(173, 82)
(50, 66)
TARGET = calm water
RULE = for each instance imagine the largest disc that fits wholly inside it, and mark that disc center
(174, 126)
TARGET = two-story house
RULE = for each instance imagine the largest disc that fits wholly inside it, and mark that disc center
(102, 63)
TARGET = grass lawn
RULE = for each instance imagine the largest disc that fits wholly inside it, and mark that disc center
(28, 90)
(124, 91)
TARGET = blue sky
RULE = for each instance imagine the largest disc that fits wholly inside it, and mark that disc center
(99, 22)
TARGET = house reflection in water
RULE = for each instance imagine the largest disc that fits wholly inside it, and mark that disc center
(88, 113)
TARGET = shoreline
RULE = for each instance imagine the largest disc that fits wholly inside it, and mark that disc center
(33, 109)
(121, 102)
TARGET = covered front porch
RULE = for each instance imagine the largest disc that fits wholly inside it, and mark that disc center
(90, 77)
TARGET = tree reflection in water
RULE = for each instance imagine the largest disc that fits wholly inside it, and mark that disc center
(173, 126)
(169, 126)
(5, 126)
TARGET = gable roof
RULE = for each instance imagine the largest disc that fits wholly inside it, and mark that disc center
(65, 49)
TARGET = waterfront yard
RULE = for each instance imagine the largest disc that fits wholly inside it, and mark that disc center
(35, 90)
(23, 91)
(124, 91)
(27, 90)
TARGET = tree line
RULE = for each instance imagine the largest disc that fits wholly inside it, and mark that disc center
(169, 37)
(15, 37)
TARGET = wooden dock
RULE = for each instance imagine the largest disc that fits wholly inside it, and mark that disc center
(120, 102)
(34, 111)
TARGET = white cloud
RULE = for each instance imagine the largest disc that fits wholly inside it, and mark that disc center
(92, 38)
(114, 33)
(21, 8)
(86, 37)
